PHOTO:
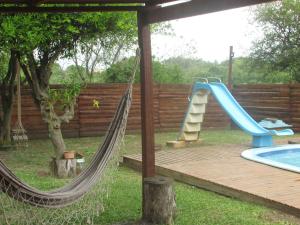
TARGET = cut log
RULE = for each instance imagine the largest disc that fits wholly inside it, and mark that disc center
(159, 200)
(63, 168)
(176, 144)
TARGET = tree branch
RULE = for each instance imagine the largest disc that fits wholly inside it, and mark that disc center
(75, 60)
(117, 54)
(69, 112)
(27, 75)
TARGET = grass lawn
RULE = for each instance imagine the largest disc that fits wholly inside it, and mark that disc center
(195, 206)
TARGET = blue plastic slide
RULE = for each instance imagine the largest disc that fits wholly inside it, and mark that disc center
(261, 136)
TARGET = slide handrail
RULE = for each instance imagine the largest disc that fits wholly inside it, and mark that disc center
(199, 78)
(214, 78)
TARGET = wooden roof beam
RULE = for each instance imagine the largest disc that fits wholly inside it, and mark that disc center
(194, 8)
(159, 2)
(66, 9)
(37, 2)
(30, 2)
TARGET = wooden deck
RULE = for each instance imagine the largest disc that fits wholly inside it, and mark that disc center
(221, 169)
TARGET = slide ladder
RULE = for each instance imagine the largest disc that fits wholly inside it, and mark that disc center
(191, 126)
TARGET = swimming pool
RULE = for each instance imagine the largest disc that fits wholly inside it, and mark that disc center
(285, 157)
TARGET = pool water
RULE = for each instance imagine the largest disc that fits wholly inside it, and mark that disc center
(285, 157)
(291, 157)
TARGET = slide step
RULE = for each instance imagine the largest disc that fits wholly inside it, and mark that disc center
(192, 127)
(189, 136)
(199, 99)
(194, 118)
(202, 93)
(196, 109)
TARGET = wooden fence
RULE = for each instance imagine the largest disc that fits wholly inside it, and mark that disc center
(271, 100)
(170, 104)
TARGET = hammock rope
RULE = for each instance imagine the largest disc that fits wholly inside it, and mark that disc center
(78, 187)
(18, 132)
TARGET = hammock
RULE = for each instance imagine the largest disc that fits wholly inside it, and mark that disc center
(78, 187)
(15, 188)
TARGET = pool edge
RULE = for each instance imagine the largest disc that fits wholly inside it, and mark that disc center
(252, 155)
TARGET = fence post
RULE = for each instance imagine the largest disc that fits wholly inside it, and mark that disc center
(290, 104)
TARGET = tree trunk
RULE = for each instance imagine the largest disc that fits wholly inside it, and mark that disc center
(63, 168)
(159, 200)
(56, 138)
(5, 131)
(38, 79)
(7, 92)
(54, 126)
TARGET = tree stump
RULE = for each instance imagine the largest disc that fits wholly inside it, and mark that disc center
(159, 200)
(63, 168)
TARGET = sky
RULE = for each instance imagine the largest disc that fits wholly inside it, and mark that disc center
(209, 36)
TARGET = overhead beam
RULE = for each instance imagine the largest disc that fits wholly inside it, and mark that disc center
(37, 2)
(31, 2)
(194, 8)
(66, 9)
(158, 2)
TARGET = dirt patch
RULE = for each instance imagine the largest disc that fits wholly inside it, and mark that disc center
(133, 223)
(129, 223)
(277, 216)
(42, 173)
(293, 140)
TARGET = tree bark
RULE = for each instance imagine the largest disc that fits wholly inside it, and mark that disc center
(63, 168)
(159, 198)
(54, 126)
(56, 139)
(5, 130)
(7, 92)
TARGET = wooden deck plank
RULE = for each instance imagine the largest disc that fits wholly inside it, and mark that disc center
(222, 170)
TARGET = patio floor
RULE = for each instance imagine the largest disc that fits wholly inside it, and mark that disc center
(221, 169)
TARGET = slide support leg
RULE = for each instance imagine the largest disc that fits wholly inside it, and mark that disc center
(262, 141)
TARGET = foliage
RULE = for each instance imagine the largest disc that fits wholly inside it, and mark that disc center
(95, 54)
(195, 68)
(92, 55)
(162, 72)
(243, 70)
(58, 74)
(40, 39)
(279, 49)
(187, 70)
(64, 96)
(4, 59)
(73, 72)
(167, 73)
(120, 72)
(48, 33)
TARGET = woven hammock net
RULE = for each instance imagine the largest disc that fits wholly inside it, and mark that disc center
(78, 202)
